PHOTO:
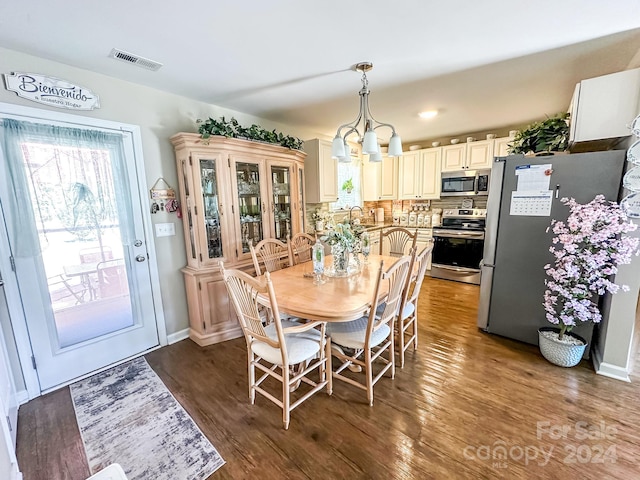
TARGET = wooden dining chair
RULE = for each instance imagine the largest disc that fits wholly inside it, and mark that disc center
(398, 238)
(300, 246)
(272, 253)
(407, 322)
(280, 345)
(369, 337)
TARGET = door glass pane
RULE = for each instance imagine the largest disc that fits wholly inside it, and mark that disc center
(281, 188)
(249, 204)
(73, 195)
(211, 202)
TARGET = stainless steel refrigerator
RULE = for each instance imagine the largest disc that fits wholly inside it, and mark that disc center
(517, 243)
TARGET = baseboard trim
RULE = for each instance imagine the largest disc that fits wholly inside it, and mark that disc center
(607, 369)
(177, 336)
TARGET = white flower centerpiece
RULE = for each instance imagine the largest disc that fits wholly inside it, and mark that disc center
(593, 246)
(344, 240)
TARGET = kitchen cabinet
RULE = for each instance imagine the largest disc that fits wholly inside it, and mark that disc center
(454, 157)
(321, 172)
(501, 146)
(380, 179)
(467, 156)
(419, 174)
(602, 108)
(232, 193)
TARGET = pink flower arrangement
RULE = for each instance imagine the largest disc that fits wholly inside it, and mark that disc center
(592, 249)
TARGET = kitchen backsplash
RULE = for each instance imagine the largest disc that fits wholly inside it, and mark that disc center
(388, 205)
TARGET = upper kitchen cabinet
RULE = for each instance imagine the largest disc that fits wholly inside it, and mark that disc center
(501, 146)
(380, 179)
(454, 157)
(479, 155)
(467, 156)
(419, 174)
(321, 172)
(602, 108)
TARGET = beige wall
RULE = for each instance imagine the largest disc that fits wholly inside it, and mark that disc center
(159, 115)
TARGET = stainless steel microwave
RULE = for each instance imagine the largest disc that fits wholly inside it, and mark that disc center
(465, 183)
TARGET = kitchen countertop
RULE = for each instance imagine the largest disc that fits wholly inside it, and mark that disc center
(372, 227)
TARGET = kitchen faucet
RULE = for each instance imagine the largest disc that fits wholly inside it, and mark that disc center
(351, 211)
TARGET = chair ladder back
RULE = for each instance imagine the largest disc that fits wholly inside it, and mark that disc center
(397, 276)
(244, 290)
(421, 262)
(272, 254)
(398, 238)
(301, 245)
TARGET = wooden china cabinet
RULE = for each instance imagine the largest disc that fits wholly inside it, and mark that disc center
(233, 192)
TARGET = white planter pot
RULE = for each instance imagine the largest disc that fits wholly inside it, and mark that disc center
(560, 353)
(319, 226)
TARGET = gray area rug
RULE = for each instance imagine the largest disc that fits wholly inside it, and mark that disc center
(126, 415)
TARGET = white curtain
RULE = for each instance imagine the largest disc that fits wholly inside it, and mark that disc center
(17, 139)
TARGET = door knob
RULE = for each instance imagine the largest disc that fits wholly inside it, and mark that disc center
(140, 258)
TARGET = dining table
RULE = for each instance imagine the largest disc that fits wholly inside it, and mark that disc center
(338, 299)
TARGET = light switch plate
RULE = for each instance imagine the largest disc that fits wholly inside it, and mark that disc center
(165, 229)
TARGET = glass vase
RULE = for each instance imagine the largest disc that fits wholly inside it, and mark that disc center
(340, 260)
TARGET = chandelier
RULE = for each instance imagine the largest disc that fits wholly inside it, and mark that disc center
(364, 126)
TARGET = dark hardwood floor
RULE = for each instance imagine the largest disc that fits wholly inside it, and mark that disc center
(466, 405)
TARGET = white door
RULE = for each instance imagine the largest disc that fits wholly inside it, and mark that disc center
(85, 283)
(8, 403)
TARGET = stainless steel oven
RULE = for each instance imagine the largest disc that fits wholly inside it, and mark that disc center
(458, 246)
(465, 183)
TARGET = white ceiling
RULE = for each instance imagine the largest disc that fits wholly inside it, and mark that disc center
(483, 64)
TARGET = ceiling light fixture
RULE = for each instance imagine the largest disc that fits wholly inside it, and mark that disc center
(340, 148)
(428, 114)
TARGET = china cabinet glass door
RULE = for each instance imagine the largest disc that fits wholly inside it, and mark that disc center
(301, 200)
(250, 204)
(280, 183)
(209, 176)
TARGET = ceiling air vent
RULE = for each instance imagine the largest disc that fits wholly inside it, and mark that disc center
(135, 59)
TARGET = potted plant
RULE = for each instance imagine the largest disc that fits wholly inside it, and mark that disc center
(348, 185)
(318, 218)
(550, 135)
(593, 246)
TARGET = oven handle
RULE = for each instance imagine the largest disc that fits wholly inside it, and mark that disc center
(455, 269)
(456, 234)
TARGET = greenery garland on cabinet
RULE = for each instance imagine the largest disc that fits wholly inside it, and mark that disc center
(255, 132)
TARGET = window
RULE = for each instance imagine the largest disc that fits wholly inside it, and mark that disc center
(348, 198)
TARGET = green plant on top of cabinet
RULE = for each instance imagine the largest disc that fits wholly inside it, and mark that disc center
(419, 174)
(232, 192)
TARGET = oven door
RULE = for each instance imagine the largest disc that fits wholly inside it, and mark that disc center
(457, 255)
